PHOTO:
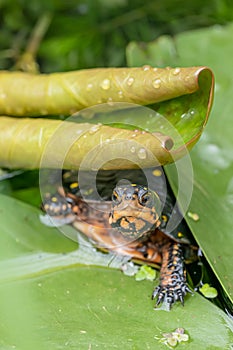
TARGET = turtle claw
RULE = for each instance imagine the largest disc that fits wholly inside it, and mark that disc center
(170, 294)
(173, 286)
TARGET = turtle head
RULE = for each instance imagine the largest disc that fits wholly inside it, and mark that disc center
(135, 210)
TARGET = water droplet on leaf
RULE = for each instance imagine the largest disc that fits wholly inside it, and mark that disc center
(130, 81)
(89, 87)
(156, 83)
(120, 94)
(146, 67)
(142, 153)
(110, 101)
(176, 71)
(105, 85)
(94, 128)
(132, 149)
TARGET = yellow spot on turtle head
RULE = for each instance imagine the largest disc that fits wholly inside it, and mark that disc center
(164, 218)
(180, 234)
(133, 185)
(54, 199)
(74, 185)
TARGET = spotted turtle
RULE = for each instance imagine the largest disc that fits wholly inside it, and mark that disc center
(129, 219)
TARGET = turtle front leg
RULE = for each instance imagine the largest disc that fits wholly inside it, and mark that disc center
(172, 286)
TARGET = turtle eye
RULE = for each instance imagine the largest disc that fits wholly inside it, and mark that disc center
(144, 199)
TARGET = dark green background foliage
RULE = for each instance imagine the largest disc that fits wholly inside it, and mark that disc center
(93, 33)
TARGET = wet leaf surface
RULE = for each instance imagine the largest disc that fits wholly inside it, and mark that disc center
(181, 99)
(69, 304)
(212, 156)
(55, 301)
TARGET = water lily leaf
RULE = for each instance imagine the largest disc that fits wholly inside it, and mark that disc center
(66, 93)
(26, 238)
(31, 143)
(163, 134)
(54, 300)
(160, 53)
(212, 157)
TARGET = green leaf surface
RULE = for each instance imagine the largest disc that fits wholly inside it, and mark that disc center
(53, 300)
(212, 157)
(20, 225)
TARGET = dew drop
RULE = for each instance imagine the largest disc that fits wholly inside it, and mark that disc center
(146, 67)
(168, 143)
(176, 71)
(105, 85)
(89, 87)
(190, 114)
(192, 111)
(120, 94)
(142, 153)
(132, 149)
(183, 116)
(156, 83)
(155, 69)
(94, 168)
(94, 128)
(130, 81)
(110, 101)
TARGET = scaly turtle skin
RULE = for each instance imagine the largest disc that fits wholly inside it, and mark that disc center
(133, 223)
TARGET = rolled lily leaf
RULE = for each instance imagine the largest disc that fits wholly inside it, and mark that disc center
(24, 94)
(31, 143)
(134, 135)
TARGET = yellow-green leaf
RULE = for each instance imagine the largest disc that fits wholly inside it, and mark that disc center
(25, 94)
(134, 135)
